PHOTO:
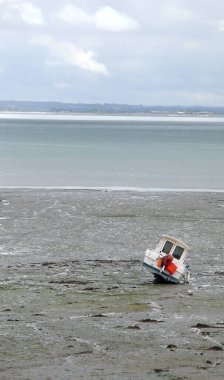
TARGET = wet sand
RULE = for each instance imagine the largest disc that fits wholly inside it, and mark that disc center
(76, 302)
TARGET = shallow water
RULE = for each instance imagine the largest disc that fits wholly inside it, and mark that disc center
(145, 153)
(76, 301)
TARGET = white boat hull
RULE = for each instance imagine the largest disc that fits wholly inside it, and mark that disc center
(150, 263)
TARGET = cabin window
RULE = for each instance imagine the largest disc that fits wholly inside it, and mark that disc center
(167, 247)
(178, 252)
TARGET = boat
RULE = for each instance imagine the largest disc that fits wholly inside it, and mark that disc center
(168, 261)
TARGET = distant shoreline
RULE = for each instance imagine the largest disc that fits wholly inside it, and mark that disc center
(105, 108)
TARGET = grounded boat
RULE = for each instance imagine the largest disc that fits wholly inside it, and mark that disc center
(168, 261)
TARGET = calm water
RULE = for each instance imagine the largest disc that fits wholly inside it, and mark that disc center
(133, 152)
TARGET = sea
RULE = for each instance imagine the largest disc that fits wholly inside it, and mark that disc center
(112, 152)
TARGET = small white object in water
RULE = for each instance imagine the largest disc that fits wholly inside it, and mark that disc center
(190, 292)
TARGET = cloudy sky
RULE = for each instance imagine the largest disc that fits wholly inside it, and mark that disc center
(152, 52)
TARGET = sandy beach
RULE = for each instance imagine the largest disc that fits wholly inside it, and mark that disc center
(76, 302)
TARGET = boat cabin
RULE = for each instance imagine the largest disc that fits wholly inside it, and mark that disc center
(172, 246)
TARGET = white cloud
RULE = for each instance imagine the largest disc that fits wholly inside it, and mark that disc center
(30, 14)
(106, 18)
(14, 10)
(66, 53)
(74, 15)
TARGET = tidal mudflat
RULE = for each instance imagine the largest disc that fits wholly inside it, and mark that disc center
(76, 302)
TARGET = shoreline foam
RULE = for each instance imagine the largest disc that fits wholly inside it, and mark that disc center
(115, 188)
(110, 117)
